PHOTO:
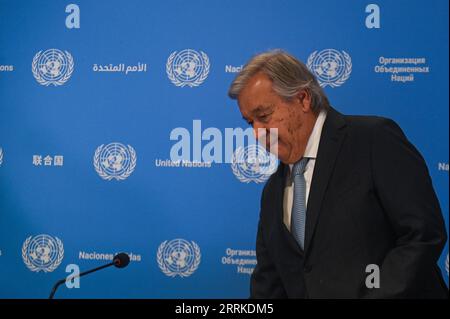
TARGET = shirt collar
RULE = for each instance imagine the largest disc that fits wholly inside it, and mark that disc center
(314, 139)
(313, 142)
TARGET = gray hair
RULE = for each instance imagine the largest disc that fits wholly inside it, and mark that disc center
(288, 76)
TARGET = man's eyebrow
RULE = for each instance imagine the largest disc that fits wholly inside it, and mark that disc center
(258, 109)
(261, 108)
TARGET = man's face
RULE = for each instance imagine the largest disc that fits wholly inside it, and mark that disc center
(262, 108)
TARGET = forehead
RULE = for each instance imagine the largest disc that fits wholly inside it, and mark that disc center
(257, 93)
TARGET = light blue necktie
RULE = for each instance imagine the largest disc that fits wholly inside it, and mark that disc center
(298, 216)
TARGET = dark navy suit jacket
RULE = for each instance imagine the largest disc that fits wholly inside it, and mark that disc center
(371, 201)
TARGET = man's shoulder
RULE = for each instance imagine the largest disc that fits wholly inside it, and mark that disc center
(369, 124)
(366, 121)
(357, 122)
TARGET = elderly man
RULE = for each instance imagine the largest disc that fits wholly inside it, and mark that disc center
(351, 211)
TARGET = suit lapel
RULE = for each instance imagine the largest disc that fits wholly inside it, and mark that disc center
(333, 134)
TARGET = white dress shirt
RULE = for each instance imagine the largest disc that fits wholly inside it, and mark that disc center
(311, 153)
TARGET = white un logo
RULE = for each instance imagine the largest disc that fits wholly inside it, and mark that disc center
(178, 257)
(253, 164)
(187, 67)
(52, 67)
(114, 161)
(42, 253)
(330, 67)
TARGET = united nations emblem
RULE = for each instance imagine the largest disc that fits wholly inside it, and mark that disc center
(1, 156)
(330, 66)
(178, 257)
(52, 67)
(42, 253)
(187, 67)
(114, 160)
(253, 164)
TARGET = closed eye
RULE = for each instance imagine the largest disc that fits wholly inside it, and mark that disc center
(264, 117)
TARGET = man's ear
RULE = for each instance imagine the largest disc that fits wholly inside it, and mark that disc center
(304, 99)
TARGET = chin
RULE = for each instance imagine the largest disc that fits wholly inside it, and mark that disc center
(282, 156)
(283, 152)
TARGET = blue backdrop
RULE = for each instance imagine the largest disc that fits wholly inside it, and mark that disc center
(91, 91)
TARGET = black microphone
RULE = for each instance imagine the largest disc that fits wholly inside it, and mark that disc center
(120, 260)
